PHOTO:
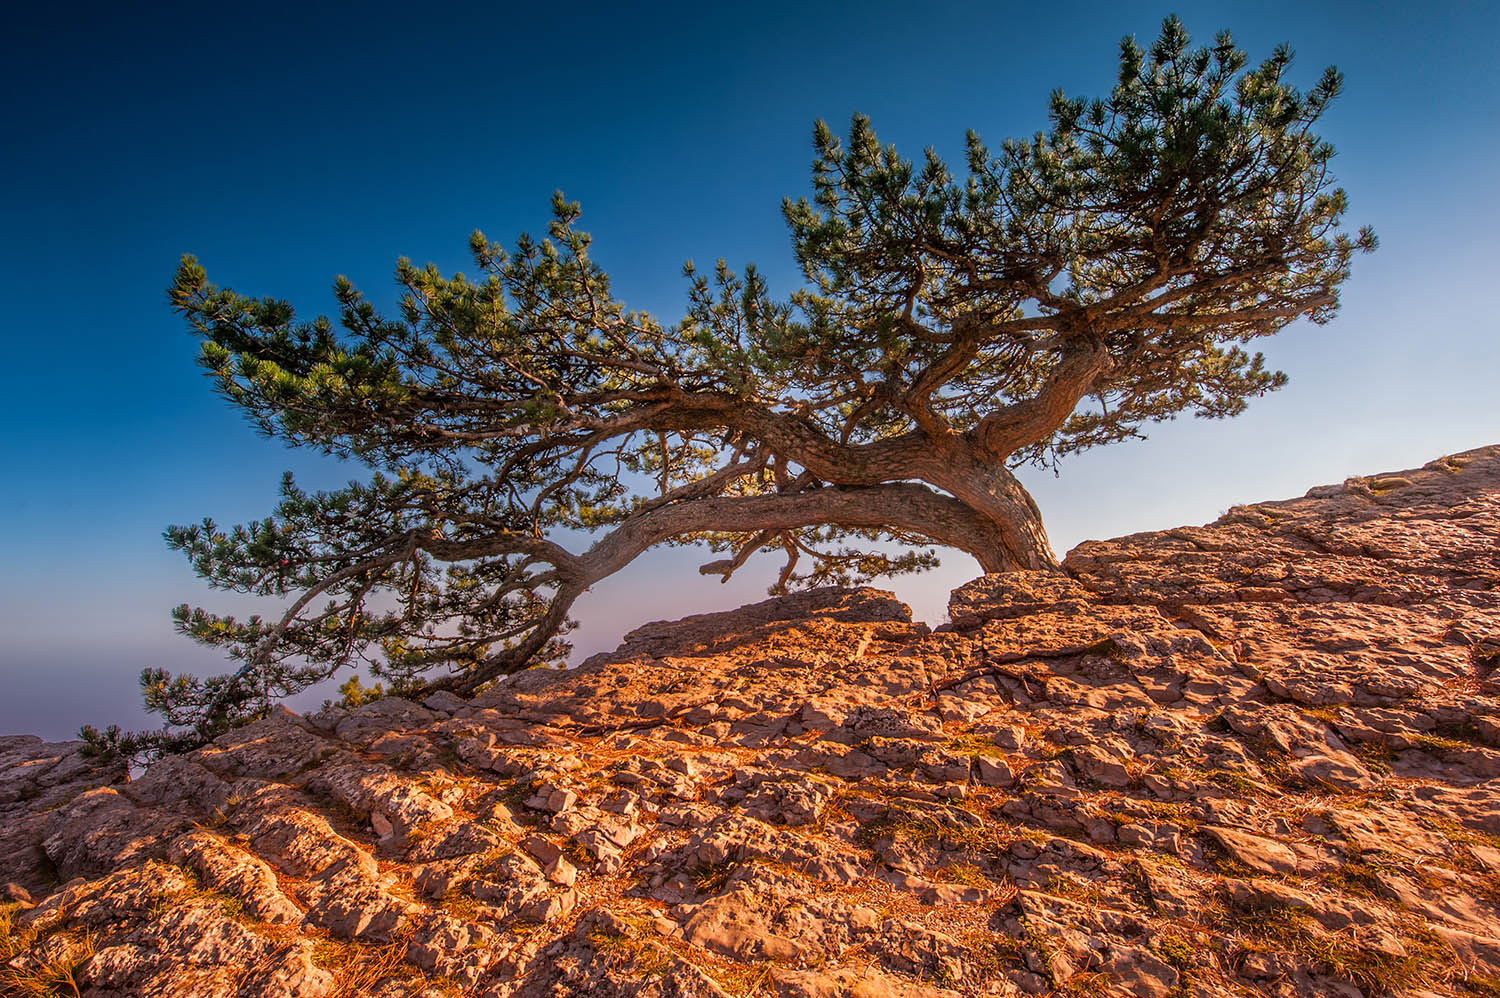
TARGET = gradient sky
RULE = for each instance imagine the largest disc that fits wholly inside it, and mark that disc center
(284, 145)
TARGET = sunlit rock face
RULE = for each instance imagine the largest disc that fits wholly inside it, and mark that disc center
(1254, 757)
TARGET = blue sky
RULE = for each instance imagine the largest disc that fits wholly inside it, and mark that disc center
(286, 144)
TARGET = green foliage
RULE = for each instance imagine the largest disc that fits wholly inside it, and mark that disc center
(1064, 292)
(353, 693)
(1185, 214)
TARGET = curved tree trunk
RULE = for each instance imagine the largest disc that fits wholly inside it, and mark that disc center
(970, 466)
(905, 506)
(983, 509)
(999, 497)
(518, 657)
(998, 546)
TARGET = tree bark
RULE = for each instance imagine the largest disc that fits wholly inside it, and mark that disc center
(519, 657)
(998, 497)
(905, 506)
(967, 465)
(998, 546)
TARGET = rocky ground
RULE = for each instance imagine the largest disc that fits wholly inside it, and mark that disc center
(1253, 758)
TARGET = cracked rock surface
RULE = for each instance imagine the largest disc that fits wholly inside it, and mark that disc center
(1257, 757)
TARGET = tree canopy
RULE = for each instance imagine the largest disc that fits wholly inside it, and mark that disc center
(1061, 293)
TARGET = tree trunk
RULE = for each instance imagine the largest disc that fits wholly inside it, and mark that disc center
(519, 657)
(905, 506)
(969, 466)
(998, 545)
(999, 497)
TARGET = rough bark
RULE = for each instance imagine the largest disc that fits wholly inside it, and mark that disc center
(969, 466)
(909, 507)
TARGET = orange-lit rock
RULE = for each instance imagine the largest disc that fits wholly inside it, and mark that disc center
(1255, 757)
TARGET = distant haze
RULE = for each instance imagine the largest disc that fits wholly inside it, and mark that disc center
(284, 146)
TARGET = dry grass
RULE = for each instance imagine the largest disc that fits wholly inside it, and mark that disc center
(710, 878)
(649, 958)
(966, 874)
(1439, 744)
(751, 981)
(1065, 885)
(937, 828)
(44, 977)
(1480, 984)
(358, 968)
(1426, 962)
(1089, 984)
(13, 939)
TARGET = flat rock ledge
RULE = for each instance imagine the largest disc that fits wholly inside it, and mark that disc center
(1258, 757)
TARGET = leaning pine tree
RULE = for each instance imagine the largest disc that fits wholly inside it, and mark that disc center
(1069, 289)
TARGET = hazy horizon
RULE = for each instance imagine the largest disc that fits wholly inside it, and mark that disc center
(299, 145)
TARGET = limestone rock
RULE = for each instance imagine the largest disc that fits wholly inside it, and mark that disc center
(1255, 757)
(235, 872)
(1257, 852)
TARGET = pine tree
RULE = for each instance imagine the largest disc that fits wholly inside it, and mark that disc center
(1067, 290)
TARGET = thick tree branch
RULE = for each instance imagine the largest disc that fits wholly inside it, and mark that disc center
(1006, 430)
